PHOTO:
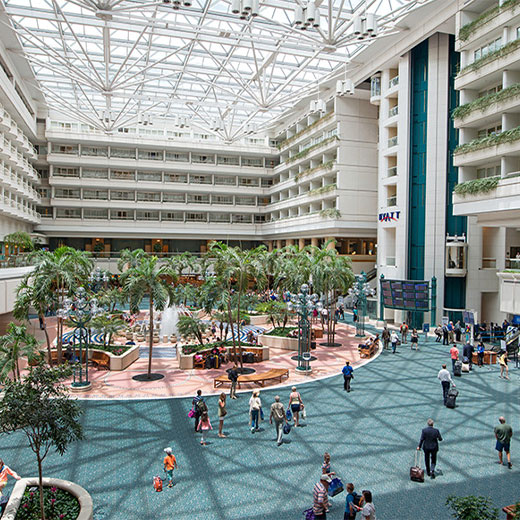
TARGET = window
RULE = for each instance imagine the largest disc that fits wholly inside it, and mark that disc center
(198, 198)
(203, 159)
(174, 197)
(219, 217)
(149, 176)
(490, 91)
(246, 181)
(493, 130)
(200, 179)
(196, 217)
(488, 171)
(62, 125)
(491, 46)
(124, 175)
(176, 177)
(148, 196)
(263, 201)
(222, 199)
(95, 213)
(67, 149)
(225, 181)
(121, 214)
(94, 151)
(259, 219)
(151, 155)
(43, 173)
(68, 213)
(66, 193)
(44, 211)
(45, 193)
(147, 215)
(87, 173)
(253, 162)
(95, 194)
(41, 149)
(230, 161)
(127, 130)
(267, 182)
(122, 195)
(245, 201)
(242, 219)
(172, 216)
(123, 153)
(177, 157)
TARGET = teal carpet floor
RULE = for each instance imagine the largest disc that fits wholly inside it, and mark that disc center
(371, 434)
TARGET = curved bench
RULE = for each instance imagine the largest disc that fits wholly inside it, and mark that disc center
(259, 379)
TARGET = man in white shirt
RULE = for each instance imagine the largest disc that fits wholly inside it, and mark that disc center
(394, 338)
(445, 378)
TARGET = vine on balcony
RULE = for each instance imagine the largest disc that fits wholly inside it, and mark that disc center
(306, 151)
(328, 166)
(289, 140)
(491, 140)
(330, 213)
(467, 30)
(485, 101)
(500, 53)
(477, 186)
(323, 189)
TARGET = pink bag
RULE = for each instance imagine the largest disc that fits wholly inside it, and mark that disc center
(191, 413)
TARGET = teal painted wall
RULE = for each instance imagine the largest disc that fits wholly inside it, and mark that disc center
(454, 288)
(417, 180)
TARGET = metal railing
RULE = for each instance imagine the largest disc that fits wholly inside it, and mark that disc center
(393, 111)
(392, 141)
(393, 82)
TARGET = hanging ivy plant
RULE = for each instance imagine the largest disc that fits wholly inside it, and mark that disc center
(330, 213)
(500, 53)
(328, 166)
(477, 186)
(491, 140)
(323, 189)
(306, 151)
(289, 140)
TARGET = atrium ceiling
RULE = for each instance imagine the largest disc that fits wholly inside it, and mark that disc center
(227, 67)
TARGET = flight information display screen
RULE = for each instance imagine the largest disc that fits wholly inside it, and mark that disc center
(406, 295)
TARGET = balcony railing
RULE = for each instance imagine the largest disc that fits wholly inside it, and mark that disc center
(489, 263)
(393, 82)
(391, 201)
(393, 111)
(392, 141)
(392, 172)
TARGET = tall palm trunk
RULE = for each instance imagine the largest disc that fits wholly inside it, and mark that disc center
(150, 345)
(230, 322)
(47, 339)
(238, 325)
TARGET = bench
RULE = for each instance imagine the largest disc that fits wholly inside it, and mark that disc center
(259, 379)
(367, 352)
(100, 359)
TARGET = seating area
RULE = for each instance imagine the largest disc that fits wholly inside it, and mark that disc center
(367, 351)
(275, 374)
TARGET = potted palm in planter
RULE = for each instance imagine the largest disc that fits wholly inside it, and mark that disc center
(472, 508)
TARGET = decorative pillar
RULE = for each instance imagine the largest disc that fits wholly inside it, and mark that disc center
(301, 243)
(290, 242)
(314, 242)
(331, 245)
(278, 244)
(270, 245)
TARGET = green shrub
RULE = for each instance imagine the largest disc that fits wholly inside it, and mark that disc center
(467, 30)
(490, 140)
(289, 140)
(328, 166)
(485, 101)
(323, 189)
(330, 213)
(59, 504)
(472, 508)
(499, 53)
(281, 332)
(306, 151)
(477, 186)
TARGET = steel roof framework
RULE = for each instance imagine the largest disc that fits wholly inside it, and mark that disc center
(115, 63)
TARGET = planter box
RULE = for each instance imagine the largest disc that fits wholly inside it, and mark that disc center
(258, 319)
(117, 363)
(278, 342)
(85, 500)
(508, 510)
(318, 332)
(186, 360)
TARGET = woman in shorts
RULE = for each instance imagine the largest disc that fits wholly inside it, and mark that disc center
(296, 404)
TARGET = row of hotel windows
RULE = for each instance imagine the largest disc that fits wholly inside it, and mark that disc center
(159, 176)
(164, 216)
(157, 155)
(492, 46)
(93, 194)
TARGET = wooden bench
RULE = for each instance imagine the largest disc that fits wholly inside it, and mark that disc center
(100, 359)
(367, 352)
(259, 379)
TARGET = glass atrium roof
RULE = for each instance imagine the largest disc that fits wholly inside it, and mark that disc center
(117, 63)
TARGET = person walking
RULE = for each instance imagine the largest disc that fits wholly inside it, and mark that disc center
(385, 336)
(368, 511)
(204, 427)
(170, 463)
(296, 404)
(325, 467)
(454, 353)
(199, 406)
(233, 377)
(458, 331)
(414, 340)
(279, 418)
(350, 506)
(320, 497)
(404, 332)
(4, 472)
(255, 405)
(348, 375)
(502, 361)
(429, 441)
(467, 352)
(445, 378)
(480, 354)
(451, 336)
(394, 339)
(445, 334)
(222, 412)
(503, 434)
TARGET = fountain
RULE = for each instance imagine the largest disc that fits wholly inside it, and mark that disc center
(169, 319)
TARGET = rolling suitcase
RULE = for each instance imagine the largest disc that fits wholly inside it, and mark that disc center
(416, 473)
(465, 367)
(457, 369)
(452, 397)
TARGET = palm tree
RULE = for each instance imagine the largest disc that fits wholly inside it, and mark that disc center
(58, 274)
(108, 324)
(184, 261)
(17, 342)
(330, 273)
(148, 278)
(192, 326)
(129, 258)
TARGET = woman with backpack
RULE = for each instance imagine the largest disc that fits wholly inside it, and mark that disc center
(198, 406)
(296, 405)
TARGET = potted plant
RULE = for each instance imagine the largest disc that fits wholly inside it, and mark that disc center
(472, 508)
(513, 511)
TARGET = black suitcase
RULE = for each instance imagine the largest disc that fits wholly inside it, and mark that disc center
(457, 369)
(452, 397)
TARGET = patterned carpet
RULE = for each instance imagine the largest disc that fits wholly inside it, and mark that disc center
(371, 434)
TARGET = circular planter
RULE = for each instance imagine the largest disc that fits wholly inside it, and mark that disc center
(86, 505)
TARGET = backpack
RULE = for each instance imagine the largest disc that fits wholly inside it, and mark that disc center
(157, 483)
(201, 406)
(357, 499)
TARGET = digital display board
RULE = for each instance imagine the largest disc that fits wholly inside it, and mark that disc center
(406, 295)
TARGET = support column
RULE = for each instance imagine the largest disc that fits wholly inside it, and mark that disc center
(301, 243)
(314, 242)
(270, 245)
(331, 245)
(279, 244)
(290, 242)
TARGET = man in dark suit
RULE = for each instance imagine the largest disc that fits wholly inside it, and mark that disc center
(430, 438)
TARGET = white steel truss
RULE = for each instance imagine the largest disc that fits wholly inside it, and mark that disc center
(116, 63)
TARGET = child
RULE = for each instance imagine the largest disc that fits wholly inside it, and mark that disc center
(4, 471)
(204, 426)
(170, 463)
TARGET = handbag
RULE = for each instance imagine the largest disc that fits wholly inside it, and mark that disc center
(304, 413)
(416, 473)
(309, 514)
(287, 428)
(191, 413)
(288, 414)
(335, 487)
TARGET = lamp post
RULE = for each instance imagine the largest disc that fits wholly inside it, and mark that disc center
(97, 277)
(79, 310)
(303, 303)
(360, 290)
